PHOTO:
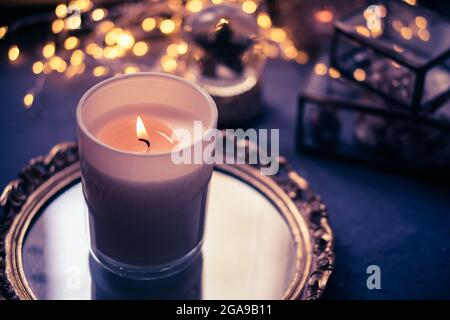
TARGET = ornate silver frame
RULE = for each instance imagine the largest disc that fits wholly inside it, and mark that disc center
(45, 176)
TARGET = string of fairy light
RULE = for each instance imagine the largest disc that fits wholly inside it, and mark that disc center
(114, 37)
(119, 36)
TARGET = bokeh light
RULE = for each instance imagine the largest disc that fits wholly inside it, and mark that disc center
(359, 74)
(194, 5)
(38, 67)
(98, 14)
(3, 31)
(264, 20)
(167, 26)
(99, 71)
(48, 50)
(140, 48)
(249, 6)
(28, 100)
(61, 11)
(71, 43)
(148, 24)
(278, 35)
(320, 69)
(13, 53)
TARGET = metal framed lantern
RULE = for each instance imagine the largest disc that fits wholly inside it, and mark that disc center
(399, 51)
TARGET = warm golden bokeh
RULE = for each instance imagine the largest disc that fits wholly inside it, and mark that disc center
(61, 11)
(421, 22)
(290, 52)
(57, 26)
(359, 74)
(411, 2)
(167, 26)
(77, 57)
(323, 16)
(194, 5)
(249, 6)
(28, 100)
(38, 67)
(264, 20)
(125, 40)
(98, 14)
(130, 70)
(168, 63)
(406, 33)
(278, 35)
(148, 24)
(172, 50)
(140, 48)
(48, 50)
(105, 26)
(3, 31)
(334, 73)
(13, 53)
(99, 71)
(362, 30)
(112, 36)
(73, 22)
(71, 43)
(56, 62)
(182, 48)
(302, 57)
(423, 35)
(320, 69)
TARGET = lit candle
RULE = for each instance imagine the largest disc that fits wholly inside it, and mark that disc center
(129, 133)
(146, 213)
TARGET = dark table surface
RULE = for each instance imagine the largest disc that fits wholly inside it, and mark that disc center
(398, 222)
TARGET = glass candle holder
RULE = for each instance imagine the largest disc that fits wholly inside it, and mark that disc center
(146, 213)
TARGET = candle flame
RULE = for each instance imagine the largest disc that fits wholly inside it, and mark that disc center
(140, 129)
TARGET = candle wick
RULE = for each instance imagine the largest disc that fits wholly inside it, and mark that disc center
(145, 141)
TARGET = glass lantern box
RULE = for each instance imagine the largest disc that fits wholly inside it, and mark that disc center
(336, 118)
(399, 51)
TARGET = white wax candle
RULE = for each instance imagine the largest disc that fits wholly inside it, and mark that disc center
(146, 213)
